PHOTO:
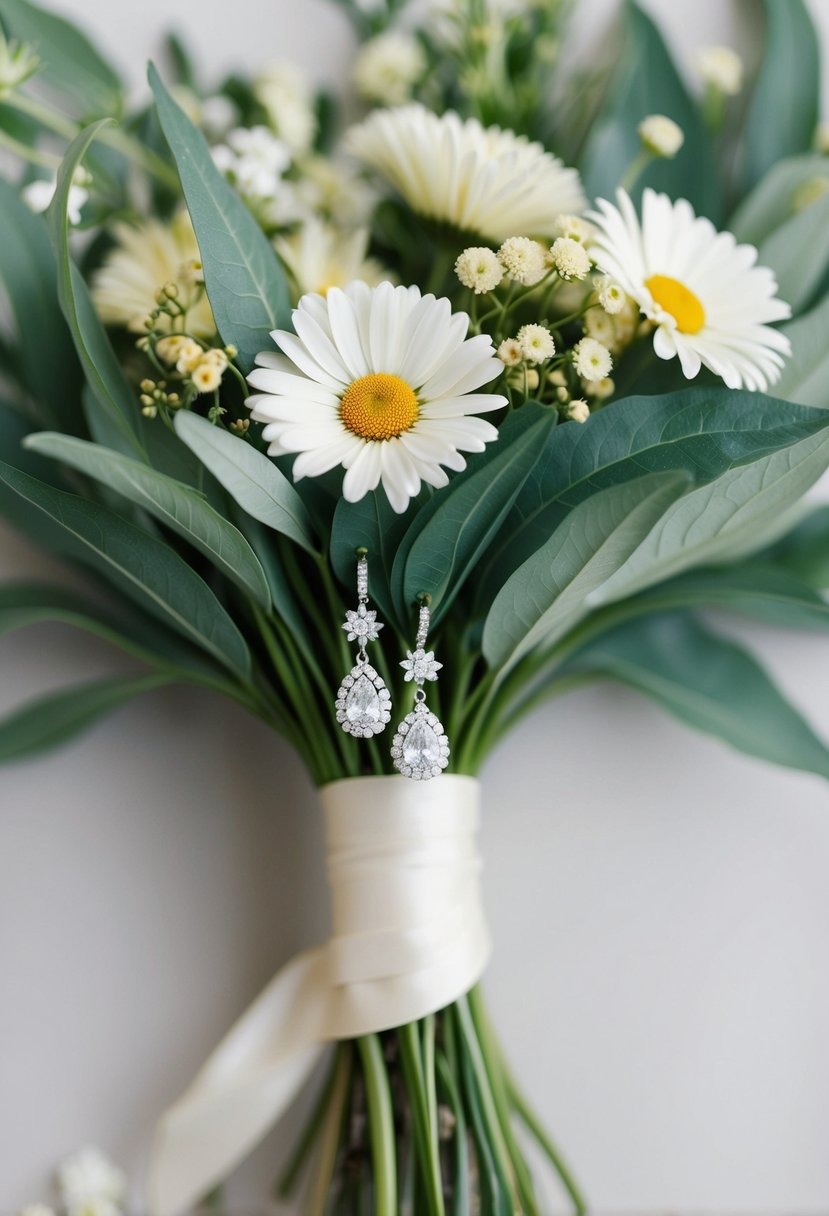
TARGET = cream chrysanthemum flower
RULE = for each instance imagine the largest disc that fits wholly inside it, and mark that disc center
(388, 67)
(145, 257)
(479, 179)
(592, 360)
(381, 381)
(479, 269)
(320, 256)
(711, 304)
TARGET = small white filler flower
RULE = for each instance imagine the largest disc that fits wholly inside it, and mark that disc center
(479, 179)
(381, 381)
(388, 67)
(90, 1185)
(661, 135)
(721, 68)
(709, 301)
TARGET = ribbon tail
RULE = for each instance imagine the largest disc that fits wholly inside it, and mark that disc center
(246, 1084)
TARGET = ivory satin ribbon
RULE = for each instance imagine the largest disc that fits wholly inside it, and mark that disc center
(408, 938)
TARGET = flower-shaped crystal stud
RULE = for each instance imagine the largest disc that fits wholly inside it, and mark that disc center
(362, 625)
(420, 665)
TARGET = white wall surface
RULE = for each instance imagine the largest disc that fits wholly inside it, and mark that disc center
(660, 905)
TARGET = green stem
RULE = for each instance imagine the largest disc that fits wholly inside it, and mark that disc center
(381, 1125)
(461, 1202)
(425, 1146)
(635, 169)
(317, 1202)
(290, 1175)
(542, 1138)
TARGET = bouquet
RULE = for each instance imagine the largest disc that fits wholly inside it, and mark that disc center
(390, 432)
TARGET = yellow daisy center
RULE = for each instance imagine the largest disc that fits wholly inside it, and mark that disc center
(379, 406)
(679, 301)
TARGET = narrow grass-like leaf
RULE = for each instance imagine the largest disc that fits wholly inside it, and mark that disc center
(146, 569)
(178, 506)
(29, 275)
(709, 683)
(548, 594)
(250, 478)
(784, 107)
(51, 720)
(103, 372)
(244, 281)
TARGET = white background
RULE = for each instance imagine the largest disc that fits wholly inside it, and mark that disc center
(660, 905)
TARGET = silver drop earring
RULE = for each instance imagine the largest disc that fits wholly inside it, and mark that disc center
(420, 749)
(363, 705)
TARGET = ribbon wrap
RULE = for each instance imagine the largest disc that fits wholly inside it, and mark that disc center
(408, 938)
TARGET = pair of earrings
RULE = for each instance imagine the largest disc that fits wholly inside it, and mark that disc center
(419, 749)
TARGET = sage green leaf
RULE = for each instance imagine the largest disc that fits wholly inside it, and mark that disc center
(737, 514)
(798, 253)
(146, 569)
(548, 594)
(250, 478)
(71, 64)
(709, 683)
(244, 281)
(784, 108)
(759, 590)
(101, 367)
(28, 275)
(775, 198)
(704, 431)
(177, 506)
(805, 551)
(646, 82)
(51, 720)
(121, 624)
(805, 376)
(468, 514)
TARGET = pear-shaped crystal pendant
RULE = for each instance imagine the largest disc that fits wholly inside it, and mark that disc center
(363, 704)
(420, 748)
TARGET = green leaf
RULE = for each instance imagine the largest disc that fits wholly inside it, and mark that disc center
(100, 364)
(647, 82)
(58, 717)
(774, 199)
(250, 478)
(805, 551)
(710, 684)
(701, 430)
(29, 275)
(242, 275)
(71, 64)
(468, 513)
(179, 507)
(761, 591)
(805, 376)
(798, 253)
(784, 108)
(548, 594)
(738, 513)
(148, 570)
(25, 604)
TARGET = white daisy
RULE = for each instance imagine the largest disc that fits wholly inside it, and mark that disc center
(381, 381)
(320, 256)
(145, 257)
(480, 179)
(709, 301)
